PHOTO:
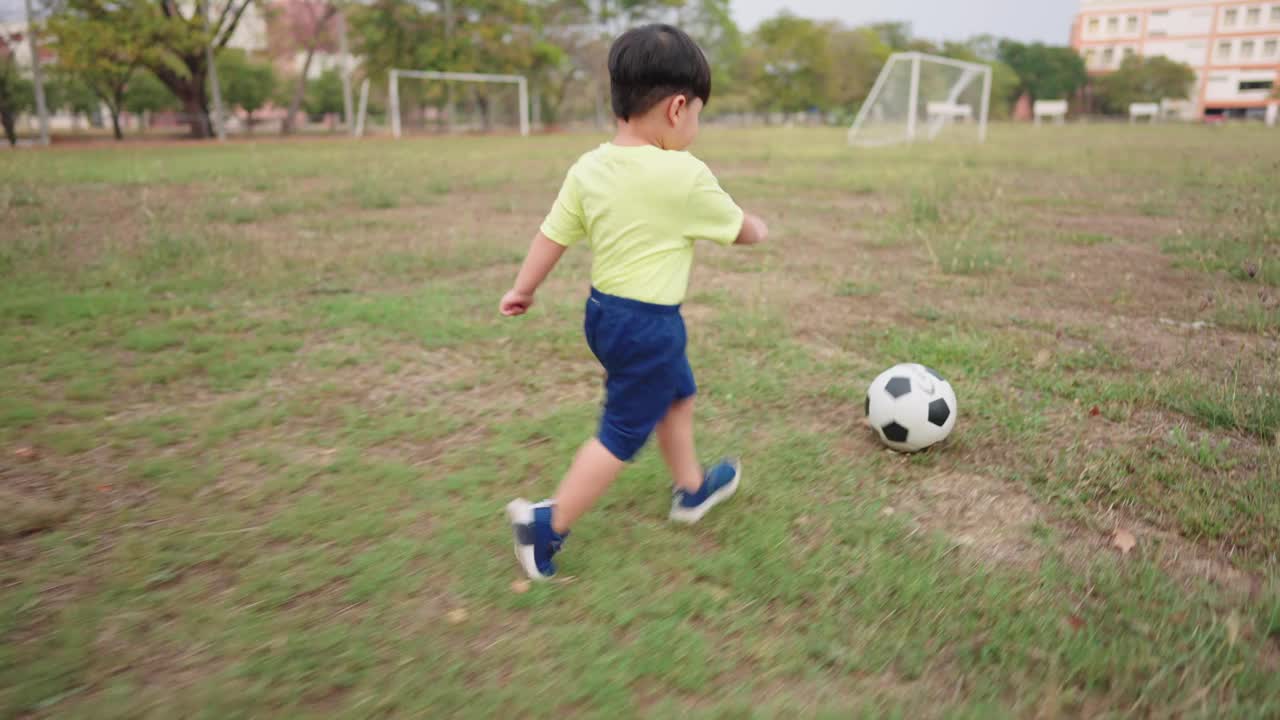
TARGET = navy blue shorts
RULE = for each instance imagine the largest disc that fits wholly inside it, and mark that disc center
(642, 349)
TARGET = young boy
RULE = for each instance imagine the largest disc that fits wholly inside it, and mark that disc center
(640, 202)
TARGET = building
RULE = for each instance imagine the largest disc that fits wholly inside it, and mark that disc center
(1233, 46)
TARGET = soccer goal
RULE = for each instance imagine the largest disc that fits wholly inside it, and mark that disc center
(393, 91)
(924, 97)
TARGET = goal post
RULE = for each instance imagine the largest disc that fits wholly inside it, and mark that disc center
(393, 91)
(918, 96)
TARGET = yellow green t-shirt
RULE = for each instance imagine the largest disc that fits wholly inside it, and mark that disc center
(640, 209)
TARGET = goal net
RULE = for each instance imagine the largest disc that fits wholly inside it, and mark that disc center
(473, 101)
(924, 97)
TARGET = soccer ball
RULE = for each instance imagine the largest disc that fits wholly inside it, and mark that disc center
(911, 407)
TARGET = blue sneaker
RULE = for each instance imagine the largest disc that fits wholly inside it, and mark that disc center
(536, 543)
(720, 482)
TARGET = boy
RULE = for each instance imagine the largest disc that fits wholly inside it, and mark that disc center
(640, 202)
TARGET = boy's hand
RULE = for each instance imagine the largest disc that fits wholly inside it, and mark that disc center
(516, 303)
(754, 230)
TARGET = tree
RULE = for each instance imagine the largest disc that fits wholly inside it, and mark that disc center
(1005, 84)
(1045, 72)
(897, 35)
(794, 64)
(16, 93)
(98, 52)
(1144, 80)
(491, 36)
(304, 26)
(146, 94)
(858, 55)
(70, 91)
(245, 83)
(324, 95)
(177, 40)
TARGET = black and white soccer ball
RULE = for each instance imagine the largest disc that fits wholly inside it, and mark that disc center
(911, 407)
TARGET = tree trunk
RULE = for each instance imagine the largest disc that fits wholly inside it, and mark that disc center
(287, 127)
(248, 120)
(115, 123)
(10, 132)
(195, 107)
(486, 116)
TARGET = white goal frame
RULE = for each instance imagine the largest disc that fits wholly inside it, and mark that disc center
(394, 91)
(941, 113)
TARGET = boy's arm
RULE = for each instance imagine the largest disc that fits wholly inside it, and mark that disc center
(544, 253)
(753, 232)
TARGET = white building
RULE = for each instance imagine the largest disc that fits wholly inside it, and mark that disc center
(1233, 46)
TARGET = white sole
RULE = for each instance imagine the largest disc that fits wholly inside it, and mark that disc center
(520, 512)
(689, 516)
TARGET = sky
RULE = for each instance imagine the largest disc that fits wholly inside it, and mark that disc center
(1026, 20)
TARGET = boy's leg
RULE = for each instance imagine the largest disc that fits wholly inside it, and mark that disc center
(594, 469)
(675, 439)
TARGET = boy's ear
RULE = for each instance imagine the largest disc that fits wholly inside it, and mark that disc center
(675, 106)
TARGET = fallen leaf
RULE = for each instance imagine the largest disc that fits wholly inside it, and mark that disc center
(104, 488)
(1124, 541)
(458, 615)
(27, 453)
(1233, 628)
(520, 587)
(1042, 359)
(1094, 411)
(1075, 621)
(887, 511)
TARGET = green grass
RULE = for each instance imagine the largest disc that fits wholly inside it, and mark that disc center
(274, 429)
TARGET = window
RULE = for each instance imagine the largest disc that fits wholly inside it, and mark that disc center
(1269, 48)
(1094, 26)
(1275, 14)
(1128, 53)
(1229, 17)
(1246, 50)
(1090, 58)
(1131, 24)
(1108, 57)
(1253, 16)
(1113, 25)
(1157, 33)
(1159, 13)
(1224, 50)
(1248, 85)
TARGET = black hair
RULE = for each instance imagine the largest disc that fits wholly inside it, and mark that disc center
(651, 63)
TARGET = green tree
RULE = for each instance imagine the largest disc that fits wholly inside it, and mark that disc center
(794, 64)
(857, 56)
(176, 39)
(492, 36)
(896, 35)
(99, 52)
(246, 83)
(1047, 73)
(16, 93)
(1005, 84)
(1144, 80)
(69, 91)
(146, 94)
(324, 95)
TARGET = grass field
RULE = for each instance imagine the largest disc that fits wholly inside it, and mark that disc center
(259, 417)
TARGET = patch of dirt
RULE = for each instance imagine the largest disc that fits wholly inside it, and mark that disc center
(33, 497)
(991, 518)
(1139, 228)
